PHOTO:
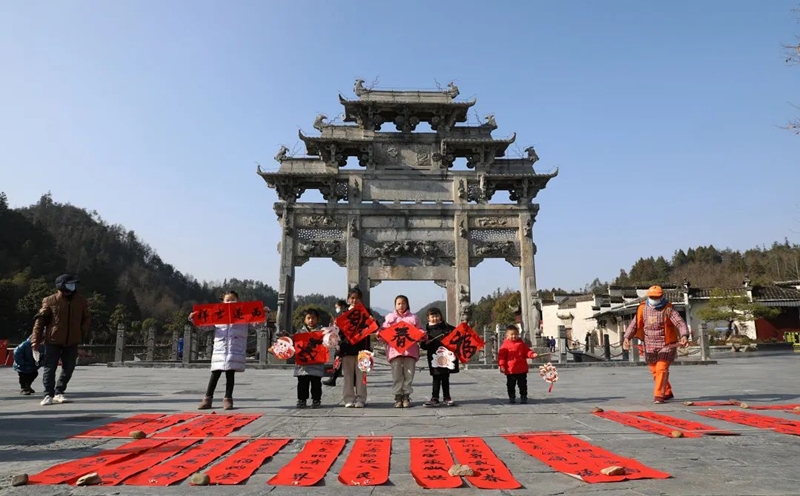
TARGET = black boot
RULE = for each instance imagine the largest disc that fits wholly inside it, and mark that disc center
(512, 400)
(523, 399)
(330, 382)
(302, 403)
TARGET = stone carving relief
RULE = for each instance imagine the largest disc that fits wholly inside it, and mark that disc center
(474, 193)
(497, 249)
(365, 156)
(353, 228)
(493, 234)
(317, 248)
(492, 222)
(462, 229)
(452, 90)
(532, 154)
(319, 122)
(321, 221)
(282, 154)
(464, 305)
(527, 229)
(429, 252)
(462, 189)
(490, 122)
(356, 189)
(359, 89)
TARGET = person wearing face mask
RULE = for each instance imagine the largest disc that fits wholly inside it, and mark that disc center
(229, 355)
(57, 330)
(662, 329)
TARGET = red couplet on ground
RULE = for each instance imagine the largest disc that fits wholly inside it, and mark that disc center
(575, 457)
(121, 427)
(311, 464)
(113, 474)
(715, 403)
(70, 471)
(179, 468)
(490, 471)
(641, 423)
(156, 425)
(772, 407)
(755, 420)
(239, 466)
(368, 462)
(686, 426)
(430, 461)
(211, 425)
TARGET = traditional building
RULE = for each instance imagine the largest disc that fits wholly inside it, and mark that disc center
(611, 313)
(406, 213)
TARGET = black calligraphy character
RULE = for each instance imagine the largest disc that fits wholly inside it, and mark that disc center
(226, 476)
(309, 352)
(296, 478)
(400, 336)
(256, 312)
(219, 313)
(237, 313)
(492, 478)
(364, 475)
(463, 343)
(436, 477)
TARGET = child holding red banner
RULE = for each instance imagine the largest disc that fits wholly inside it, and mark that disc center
(309, 376)
(513, 361)
(229, 356)
(355, 388)
(437, 329)
(403, 364)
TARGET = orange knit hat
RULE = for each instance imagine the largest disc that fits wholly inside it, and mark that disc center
(655, 292)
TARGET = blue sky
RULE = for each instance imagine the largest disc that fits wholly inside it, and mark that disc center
(663, 118)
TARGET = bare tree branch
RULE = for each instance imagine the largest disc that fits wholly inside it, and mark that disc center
(374, 83)
(438, 86)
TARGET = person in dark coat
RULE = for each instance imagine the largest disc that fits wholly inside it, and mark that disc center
(438, 329)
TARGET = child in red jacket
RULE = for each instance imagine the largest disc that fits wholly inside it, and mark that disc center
(513, 360)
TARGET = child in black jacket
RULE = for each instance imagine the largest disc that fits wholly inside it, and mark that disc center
(437, 329)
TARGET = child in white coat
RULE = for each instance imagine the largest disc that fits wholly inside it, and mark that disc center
(229, 356)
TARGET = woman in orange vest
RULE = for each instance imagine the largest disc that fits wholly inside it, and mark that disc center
(662, 329)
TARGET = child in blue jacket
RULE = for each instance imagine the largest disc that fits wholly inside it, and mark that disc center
(26, 366)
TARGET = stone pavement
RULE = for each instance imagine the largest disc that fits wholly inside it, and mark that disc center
(757, 462)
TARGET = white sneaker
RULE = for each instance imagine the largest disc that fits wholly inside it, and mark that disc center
(349, 405)
(48, 400)
(359, 404)
(60, 398)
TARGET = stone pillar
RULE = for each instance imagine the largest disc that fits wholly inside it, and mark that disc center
(151, 344)
(119, 351)
(187, 345)
(705, 348)
(262, 344)
(461, 297)
(355, 276)
(635, 350)
(529, 299)
(606, 347)
(195, 344)
(562, 344)
(174, 353)
(286, 280)
(451, 303)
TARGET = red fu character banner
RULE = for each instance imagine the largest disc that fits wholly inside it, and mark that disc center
(309, 348)
(401, 336)
(242, 312)
(356, 324)
(463, 342)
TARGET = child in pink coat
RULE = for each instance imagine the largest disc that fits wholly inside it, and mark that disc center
(403, 364)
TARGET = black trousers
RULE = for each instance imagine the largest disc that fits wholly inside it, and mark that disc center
(68, 355)
(229, 382)
(304, 382)
(512, 380)
(441, 382)
(26, 379)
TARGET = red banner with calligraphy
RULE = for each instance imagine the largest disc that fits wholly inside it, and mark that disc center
(311, 464)
(684, 425)
(463, 342)
(430, 462)
(120, 428)
(368, 462)
(783, 426)
(241, 312)
(71, 471)
(238, 467)
(578, 458)
(113, 474)
(642, 424)
(179, 468)
(489, 471)
(356, 324)
(401, 336)
(309, 348)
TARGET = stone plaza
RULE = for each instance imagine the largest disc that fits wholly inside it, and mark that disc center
(756, 462)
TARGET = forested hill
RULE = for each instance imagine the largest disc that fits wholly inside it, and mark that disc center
(123, 277)
(706, 266)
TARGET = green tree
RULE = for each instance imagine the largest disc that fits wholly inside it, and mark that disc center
(99, 331)
(733, 309)
(31, 303)
(504, 308)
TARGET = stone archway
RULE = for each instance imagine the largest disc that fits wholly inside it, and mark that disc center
(407, 215)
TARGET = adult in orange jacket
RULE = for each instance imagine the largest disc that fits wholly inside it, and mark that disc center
(662, 329)
(513, 361)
